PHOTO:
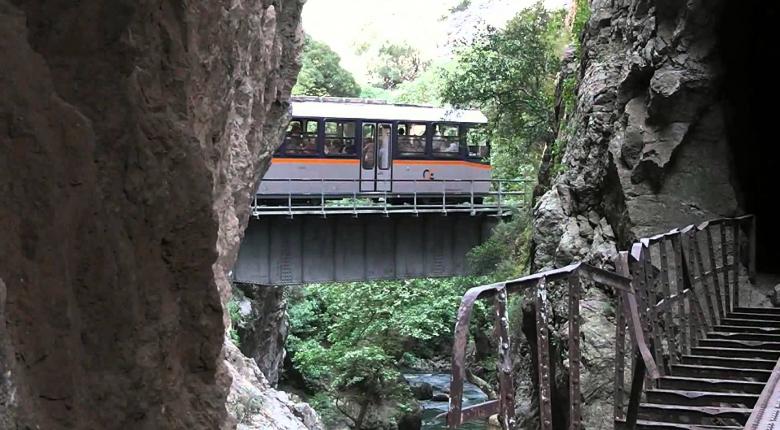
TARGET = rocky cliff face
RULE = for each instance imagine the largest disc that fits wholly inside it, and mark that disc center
(131, 136)
(650, 146)
(646, 147)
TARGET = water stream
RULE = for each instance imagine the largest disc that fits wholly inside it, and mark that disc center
(440, 383)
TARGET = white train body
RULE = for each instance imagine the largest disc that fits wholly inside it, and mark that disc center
(342, 147)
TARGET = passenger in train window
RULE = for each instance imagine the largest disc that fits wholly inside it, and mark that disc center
(332, 147)
(368, 153)
(439, 142)
(454, 147)
(411, 139)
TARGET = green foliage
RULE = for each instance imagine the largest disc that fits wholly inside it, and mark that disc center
(581, 18)
(461, 6)
(350, 337)
(427, 88)
(396, 63)
(235, 319)
(322, 75)
(505, 253)
(369, 92)
(510, 76)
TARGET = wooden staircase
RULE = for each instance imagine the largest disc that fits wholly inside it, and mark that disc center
(719, 383)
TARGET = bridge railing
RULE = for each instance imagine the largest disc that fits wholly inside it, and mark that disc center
(570, 279)
(670, 289)
(321, 196)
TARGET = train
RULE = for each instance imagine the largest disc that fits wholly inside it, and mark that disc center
(342, 147)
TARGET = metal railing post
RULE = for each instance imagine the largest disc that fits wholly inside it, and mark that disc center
(416, 212)
(500, 192)
(471, 192)
(322, 196)
(444, 197)
(289, 198)
(354, 203)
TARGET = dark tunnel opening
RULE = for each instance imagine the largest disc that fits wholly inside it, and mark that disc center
(748, 38)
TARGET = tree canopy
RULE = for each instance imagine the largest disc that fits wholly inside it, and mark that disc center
(510, 74)
(322, 75)
(396, 63)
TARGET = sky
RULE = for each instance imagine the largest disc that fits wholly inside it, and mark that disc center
(425, 24)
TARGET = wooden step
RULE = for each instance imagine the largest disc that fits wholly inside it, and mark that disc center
(752, 322)
(698, 371)
(745, 329)
(758, 311)
(692, 414)
(721, 351)
(736, 343)
(710, 384)
(701, 398)
(744, 336)
(735, 362)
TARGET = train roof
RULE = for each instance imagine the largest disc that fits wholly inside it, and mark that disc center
(351, 108)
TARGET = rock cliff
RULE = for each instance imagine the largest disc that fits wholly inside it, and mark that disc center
(665, 132)
(646, 147)
(131, 136)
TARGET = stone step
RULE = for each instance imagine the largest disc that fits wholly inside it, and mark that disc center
(745, 329)
(744, 336)
(754, 315)
(705, 415)
(699, 371)
(721, 351)
(757, 311)
(656, 425)
(752, 322)
(733, 362)
(742, 344)
(701, 398)
(724, 385)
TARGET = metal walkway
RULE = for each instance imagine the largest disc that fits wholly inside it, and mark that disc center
(697, 358)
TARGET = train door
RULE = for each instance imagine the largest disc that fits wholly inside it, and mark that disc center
(376, 163)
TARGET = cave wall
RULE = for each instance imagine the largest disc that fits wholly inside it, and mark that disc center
(131, 136)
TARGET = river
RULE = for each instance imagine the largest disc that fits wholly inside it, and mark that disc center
(440, 383)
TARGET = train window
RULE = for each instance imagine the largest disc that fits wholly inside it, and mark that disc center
(301, 137)
(477, 142)
(383, 152)
(411, 139)
(369, 146)
(446, 140)
(340, 138)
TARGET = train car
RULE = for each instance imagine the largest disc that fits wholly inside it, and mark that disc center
(340, 147)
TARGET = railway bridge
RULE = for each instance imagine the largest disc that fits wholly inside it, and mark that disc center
(690, 352)
(319, 236)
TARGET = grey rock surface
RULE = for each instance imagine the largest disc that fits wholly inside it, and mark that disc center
(132, 136)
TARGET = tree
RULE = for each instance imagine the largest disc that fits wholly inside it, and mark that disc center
(397, 63)
(510, 75)
(321, 73)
